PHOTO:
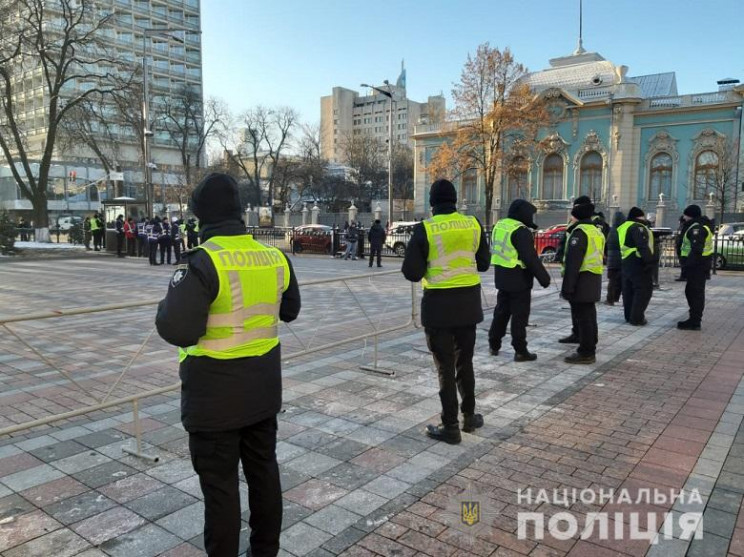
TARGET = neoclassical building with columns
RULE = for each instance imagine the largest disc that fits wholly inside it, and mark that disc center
(621, 140)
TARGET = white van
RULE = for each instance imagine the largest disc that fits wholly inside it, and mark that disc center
(66, 222)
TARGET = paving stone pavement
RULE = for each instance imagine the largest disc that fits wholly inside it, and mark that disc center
(661, 410)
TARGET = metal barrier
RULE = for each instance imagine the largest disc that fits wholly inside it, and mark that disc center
(105, 402)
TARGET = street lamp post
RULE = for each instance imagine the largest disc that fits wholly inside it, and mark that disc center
(389, 95)
(147, 132)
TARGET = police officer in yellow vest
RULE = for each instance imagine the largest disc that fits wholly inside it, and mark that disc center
(696, 253)
(582, 280)
(222, 310)
(446, 252)
(515, 264)
(637, 261)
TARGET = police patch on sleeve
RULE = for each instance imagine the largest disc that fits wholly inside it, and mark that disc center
(179, 275)
(695, 232)
(574, 241)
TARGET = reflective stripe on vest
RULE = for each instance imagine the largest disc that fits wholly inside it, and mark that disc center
(622, 231)
(243, 319)
(687, 245)
(503, 252)
(594, 250)
(453, 241)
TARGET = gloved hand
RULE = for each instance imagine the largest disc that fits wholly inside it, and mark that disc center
(545, 284)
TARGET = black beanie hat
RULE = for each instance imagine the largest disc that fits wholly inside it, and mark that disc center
(582, 200)
(442, 191)
(693, 211)
(216, 199)
(635, 212)
(582, 211)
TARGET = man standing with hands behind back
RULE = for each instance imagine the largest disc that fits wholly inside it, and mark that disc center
(222, 310)
(446, 252)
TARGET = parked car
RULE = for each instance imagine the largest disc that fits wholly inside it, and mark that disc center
(398, 237)
(730, 250)
(311, 237)
(729, 228)
(67, 222)
(548, 240)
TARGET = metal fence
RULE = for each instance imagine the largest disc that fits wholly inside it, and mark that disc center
(104, 398)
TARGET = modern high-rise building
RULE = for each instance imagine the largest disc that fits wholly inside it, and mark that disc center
(168, 32)
(345, 114)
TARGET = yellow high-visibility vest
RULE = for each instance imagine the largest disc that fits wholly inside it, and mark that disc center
(594, 249)
(503, 252)
(622, 232)
(244, 317)
(453, 241)
(687, 245)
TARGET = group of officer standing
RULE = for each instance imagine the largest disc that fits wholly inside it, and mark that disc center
(227, 297)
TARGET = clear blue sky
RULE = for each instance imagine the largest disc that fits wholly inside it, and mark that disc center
(292, 52)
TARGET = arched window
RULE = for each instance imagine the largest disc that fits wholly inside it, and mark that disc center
(590, 178)
(553, 177)
(660, 180)
(469, 187)
(518, 182)
(706, 174)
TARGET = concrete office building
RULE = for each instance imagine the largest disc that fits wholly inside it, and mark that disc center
(174, 61)
(345, 114)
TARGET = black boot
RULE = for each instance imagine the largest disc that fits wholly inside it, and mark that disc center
(525, 356)
(577, 358)
(494, 351)
(688, 325)
(447, 433)
(471, 422)
(570, 339)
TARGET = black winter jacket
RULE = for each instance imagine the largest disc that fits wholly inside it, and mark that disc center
(445, 307)
(376, 236)
(219, 395)
(614, 257)
(523, 240)
(579, 287)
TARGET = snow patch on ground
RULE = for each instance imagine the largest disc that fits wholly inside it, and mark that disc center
(45, 245)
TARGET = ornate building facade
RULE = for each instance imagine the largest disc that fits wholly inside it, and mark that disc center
(621, 140)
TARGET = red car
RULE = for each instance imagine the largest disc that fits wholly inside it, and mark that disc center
(548, 240)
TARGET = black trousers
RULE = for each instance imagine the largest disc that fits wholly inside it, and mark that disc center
(97, 239)
(584, 315)
(514, 306)
(375, 250)
(177, 250)
(120, 243)
(216, 456)
(132, 246)
(153, 244)
(614, 284)
(165, 249)
(637, 290)
(452, 349)
(695, 291)
(142, 246)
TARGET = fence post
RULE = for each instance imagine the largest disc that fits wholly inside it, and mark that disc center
(316, 212)
(138, 436)
(304, 214)
(287, 212)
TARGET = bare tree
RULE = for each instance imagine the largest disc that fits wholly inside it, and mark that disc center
(720, 183)
(62, 39)
(266, 133)
(492, 108)
(403, 172)
(366, 156)
(190, 123)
